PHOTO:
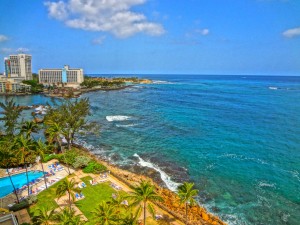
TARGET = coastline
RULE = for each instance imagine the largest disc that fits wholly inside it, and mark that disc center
(85, 90)
(197, 214)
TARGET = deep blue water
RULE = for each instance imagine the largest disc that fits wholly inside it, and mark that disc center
(19, 181)
(236, 137)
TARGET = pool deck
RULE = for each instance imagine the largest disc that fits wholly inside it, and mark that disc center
(11, 198)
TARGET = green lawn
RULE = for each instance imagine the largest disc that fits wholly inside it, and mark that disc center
(45, 199)
(93, 195)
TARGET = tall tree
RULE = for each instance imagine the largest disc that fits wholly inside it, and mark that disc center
(142, 195)
(68, 187)
(29, 127)
(187, 194)
(75, 114)
(11, 113)
(55, 131)
(7, 159)
(24, 148)
(71, 116)
(40, 150)
(106, 214)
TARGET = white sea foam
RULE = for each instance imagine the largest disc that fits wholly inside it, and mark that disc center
(273, 88)
(161, 82)
(165, 177)
(295, 174)
(117, 118)
(126, 125)
(266, 184)
(242, 158)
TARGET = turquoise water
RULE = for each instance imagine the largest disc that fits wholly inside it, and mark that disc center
(236, 137)
(19, 181)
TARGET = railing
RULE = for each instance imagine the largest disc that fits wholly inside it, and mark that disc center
(9, 217)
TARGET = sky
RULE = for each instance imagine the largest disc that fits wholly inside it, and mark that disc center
(223, 37)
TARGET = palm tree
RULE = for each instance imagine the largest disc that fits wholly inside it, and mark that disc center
(29, 127)
(41, 149)
(6, 159)
(11, 113)
(131, 217)
(143, 194)
(119, 200)
(24, 150)
(67, 217)
(106, 214)
(187, 194)
(44, 216)
(55, 131)
(67, 186)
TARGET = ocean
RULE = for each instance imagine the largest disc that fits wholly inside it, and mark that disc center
(236, 137)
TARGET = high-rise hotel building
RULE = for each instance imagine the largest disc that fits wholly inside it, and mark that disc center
(18, 67)
(66, 75)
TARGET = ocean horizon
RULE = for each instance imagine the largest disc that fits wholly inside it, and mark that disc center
(236, 137)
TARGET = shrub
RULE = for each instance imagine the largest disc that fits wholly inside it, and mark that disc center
(32, 199)
(81, 161)
(69, 156)
(49, 157)
(22, 205)
(59, 157)
(94, 167)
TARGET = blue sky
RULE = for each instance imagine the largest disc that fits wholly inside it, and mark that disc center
(259, 37)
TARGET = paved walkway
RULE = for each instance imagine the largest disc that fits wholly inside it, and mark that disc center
(23, 216)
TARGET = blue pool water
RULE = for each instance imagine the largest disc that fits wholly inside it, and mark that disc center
(236, 137)
(19, 180)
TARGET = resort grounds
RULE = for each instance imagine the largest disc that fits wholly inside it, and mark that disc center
(117, 181)
(104, 189)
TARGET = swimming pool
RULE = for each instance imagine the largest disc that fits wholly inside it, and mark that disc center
(19, 180)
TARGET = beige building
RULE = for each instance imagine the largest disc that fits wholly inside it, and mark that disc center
(11, 85)
(67, 76)
(18, 67)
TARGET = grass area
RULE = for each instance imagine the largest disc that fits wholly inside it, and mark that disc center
(93, 195)
(46, 199)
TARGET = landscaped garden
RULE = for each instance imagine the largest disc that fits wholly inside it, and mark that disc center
(93, 194)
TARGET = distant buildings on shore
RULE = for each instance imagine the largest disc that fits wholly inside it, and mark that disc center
(18, 68)
(69, 77)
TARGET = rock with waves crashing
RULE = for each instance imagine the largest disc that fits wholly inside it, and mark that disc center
(146, 171)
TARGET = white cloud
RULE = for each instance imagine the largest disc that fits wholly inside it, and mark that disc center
(6, 50)
(113, 16)
(22, 50)
(12, 51)
(57, 10)
(98, 41)
(292, 32)
(203, 32)
(3, 38)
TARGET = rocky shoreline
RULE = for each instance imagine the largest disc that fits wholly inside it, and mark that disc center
(197, 214)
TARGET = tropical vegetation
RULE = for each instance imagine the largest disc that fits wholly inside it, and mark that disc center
(20, 147)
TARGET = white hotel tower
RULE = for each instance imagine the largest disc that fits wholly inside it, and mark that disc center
(18, 67)
(69, 77)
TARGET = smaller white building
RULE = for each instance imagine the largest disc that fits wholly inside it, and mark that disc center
(67, 76)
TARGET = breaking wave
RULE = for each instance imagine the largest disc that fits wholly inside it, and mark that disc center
(165, 177)
(117, 118)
